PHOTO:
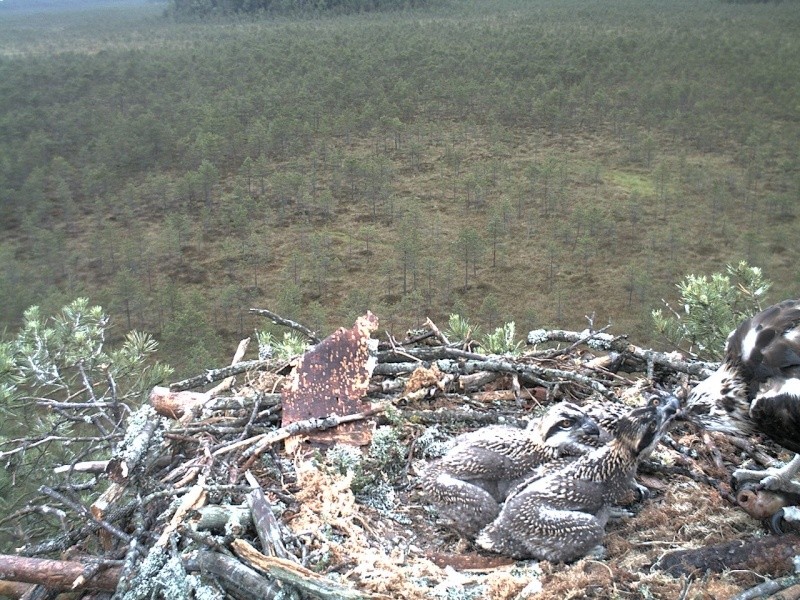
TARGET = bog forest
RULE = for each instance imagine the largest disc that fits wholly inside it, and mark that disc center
(536, 161)
(562, 165)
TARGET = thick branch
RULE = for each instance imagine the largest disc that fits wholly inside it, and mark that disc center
(607, 342)
(233, 575)
(58, 574)
(175, 405)
(265, 522)
(299, 576)
(771, 555)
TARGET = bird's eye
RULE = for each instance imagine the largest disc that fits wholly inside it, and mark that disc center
(655, 401)
(566, 423)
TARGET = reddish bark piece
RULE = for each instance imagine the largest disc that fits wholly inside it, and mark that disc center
(332, 379)
(176, 404)
(58, 574)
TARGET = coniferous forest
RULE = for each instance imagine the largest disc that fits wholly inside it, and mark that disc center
(536, 161)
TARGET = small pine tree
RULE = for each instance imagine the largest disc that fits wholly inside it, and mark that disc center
(712, 308)
(64, 395)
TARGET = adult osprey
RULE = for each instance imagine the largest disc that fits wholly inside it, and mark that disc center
(757, 389)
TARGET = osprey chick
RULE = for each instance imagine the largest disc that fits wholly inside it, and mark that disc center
(470, 481)
(757, 389)
(562, 516)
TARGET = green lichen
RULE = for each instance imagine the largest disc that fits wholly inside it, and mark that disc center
(203, 591)
(144, 583)
(432, 443)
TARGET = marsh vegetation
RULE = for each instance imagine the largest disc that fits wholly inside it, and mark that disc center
(535, 161)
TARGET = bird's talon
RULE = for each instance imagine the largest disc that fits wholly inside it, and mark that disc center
(776, 523)
(599, 552)
(642, 492)
(616, 513)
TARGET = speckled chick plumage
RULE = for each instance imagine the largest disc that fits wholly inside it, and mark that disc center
(608, 413)
(469, 482)
(562, 516)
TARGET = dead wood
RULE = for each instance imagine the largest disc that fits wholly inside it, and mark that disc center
(217, 518)
(134, 449)
(85, 513)
(14, 589)
(307, 580)
(310, 515)
(266, 525)
(436, 332)
(174, 405)
(88, 466)
(785, 588)
(238, 356)
(454, 415)
(279, 320)
(239, 580)
(770, 555)
(396, 368)
(62, 542)
(476, 381)
(259, 444)
(673, 361)
(58, 574)
(212, 375)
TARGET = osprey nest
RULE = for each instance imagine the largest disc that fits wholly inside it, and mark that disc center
(301, 478)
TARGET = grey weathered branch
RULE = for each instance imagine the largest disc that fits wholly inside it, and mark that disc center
(61, 542)
(212, 375)
(83, 512)
(265, 522)
(279, 320)
(299, 576)
(136, 446)
(234, 576)
(768, 589)
(215, 517)
(608, 342)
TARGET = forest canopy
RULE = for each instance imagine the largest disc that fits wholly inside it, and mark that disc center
(202, 8)
(536, 162)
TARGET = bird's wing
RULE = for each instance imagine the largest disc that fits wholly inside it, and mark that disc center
(776, 412)
(769, 343)
(474, 462)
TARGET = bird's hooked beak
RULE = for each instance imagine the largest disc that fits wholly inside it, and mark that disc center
(589, 427)
(668, 407)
